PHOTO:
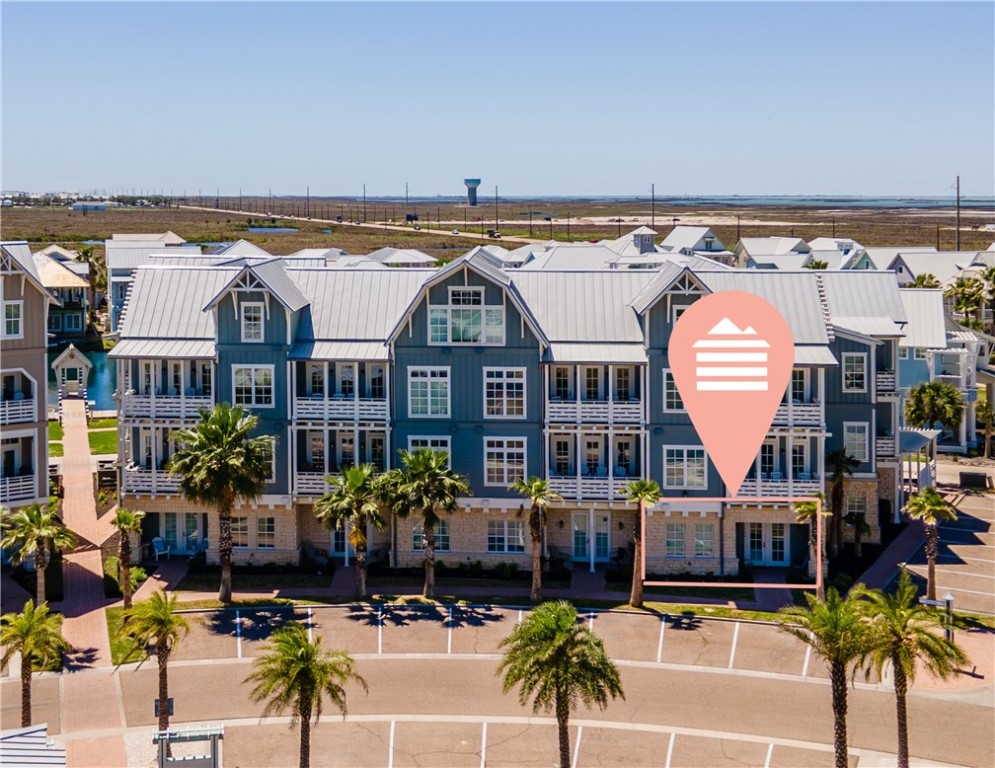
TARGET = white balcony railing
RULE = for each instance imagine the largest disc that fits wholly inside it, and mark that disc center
(341, 409)
(798, 415)
(884, 446)
(585, 487)
(762, 488)
(140, 480)
(15, 411)
(885, 381)
(18, 488)
(165, 406)
(313, 483)
(595, 411)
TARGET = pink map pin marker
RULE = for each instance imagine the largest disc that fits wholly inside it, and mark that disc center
(731, 355)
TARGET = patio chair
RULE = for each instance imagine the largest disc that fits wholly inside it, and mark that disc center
(159, 547)
(602, 471)
(776, 476)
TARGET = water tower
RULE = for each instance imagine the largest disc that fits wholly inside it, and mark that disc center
(471, 191)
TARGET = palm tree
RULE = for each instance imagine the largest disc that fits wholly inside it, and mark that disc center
(558, 662)
(840, 464)
(353, 501)
(860, 529)
(297, 674)
(934, 402)
(219, 463)
(127, 522)
(836, 630)
(36, 634)
(155, 623)
(986, 417)
(645, 493)
(905, 633)
(924, 281)
(36, 530)
(538, 493)
(930, 507)
(968, 294)
(428, 486)
(807, 513)
(817, 264)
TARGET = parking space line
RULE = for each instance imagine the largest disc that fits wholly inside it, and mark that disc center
(966, 573)
(390, 751)
(380, 643)
(808, 658)
(732, 651)
(238, 633)
(580, 735)
(483, 744)
(670, 749)
(310, 626)
(659, 643)
(770, 752)
(962, 557)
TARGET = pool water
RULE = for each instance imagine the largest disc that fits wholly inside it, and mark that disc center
(100, 385)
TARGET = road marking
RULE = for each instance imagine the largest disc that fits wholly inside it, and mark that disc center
(390, 752)
(238, 633)
(483, 744)
(808, 658)
(966, 573)
(659, 643)
(961, 557)
(449, 632)
(732, 651)
(580, 734)
(310, 626)
(946, 588)
(670, 748)
(770, 751)
(380, 638)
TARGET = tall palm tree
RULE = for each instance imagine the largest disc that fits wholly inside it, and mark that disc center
(36, 530)
(968, 294)
(934, 402)
(858, 520)
(924, 281)
(296, 674)
(806, 513)
(905, 633)
(218, 463)
(645, 493)
(558, 662)
(930, 507)
(127, 522)
(36, 634)
(426, 486)
(836, 630)
(537, 491)
(840, 464)
(155, 623)
(986, 418)
(353, 501)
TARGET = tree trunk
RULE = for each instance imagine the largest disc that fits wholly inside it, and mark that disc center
(41, 563)
(305, 734)
(361, 573)
(563, 726)
(836, 527)
(837, 675)
(429, 590)
(858, 541)
(124, 563)
(162, 656)
(535, 530)
(901, 687)
(988, 440)
(932, 535)
(27, 663)
(224, 548)
(636, 594)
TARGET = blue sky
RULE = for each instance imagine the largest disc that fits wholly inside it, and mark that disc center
(560, 98)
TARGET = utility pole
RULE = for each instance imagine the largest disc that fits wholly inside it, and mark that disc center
(240, 199)
(269, 208)
(307, 202)
(653, 208)
(496, 217)
(957, 248)
(217, 198)
(530, 221)
(834, 226)
(737, 229)
(937, 237)
(407, 210)
(568, 225)
(364, 203)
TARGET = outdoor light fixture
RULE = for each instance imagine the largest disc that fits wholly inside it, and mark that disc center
(621, 525)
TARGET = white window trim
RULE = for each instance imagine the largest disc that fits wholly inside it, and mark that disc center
(505, 550)
(246, 518)
(77, 322)
(903, 353)
(685, 448)
(665, 408)
(920, 353)
(504, 379)
(673, 311)
(20, 320)
(684, 540)
(54, 322)
(867, 439)
(438, 534)
(449, 391)
(262, 321)
(272, 370)
(441, 438)
(525, 458)
(843, 386)
(272, 468)
(483, 306)
(258, 521)
(694, 544)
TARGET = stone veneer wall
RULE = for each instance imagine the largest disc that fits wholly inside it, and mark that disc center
(869, 490)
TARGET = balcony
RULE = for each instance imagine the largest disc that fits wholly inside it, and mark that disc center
(590, 488)
(884, 446)
(341, 409)
(799, 488)
(140, 480)
(312, 483)
(885, 382)
(164, 406)
(19, 488)
(17, 411)
(798, 415)
(595, 411)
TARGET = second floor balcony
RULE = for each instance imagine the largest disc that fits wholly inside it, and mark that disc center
(140, 479)
(886, 383)
(18, 410)
(799, 414)
(17, 488)
(884, 446)
(317, 407)
(173, 405)
(594, 411)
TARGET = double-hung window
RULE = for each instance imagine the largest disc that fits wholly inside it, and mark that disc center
(704, 540)
(270, 457)
(253, 385)
(504, 460)
(675, 540)
(240, 531)
(72, 322)
(505, 536)
(671, 397)
(685, 467)
(428, 392)
(252, 322)
(504, 393)
(266, 532)
(13, 322)
(855, 439)
(856, 505)
(466, 319)
(854, 372)
(920, 353)
(441, 536)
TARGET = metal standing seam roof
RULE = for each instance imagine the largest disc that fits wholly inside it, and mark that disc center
(54, 274)
(585, 257)
(339, 350)
(20, 252)
(784, 261)
(275, 278)
(401, 256)
(943, 265)
(131, 254)
(168, 302)
(685, 236)
(188, 349)
(621, 354)
(754, 246)
(924, 310)
(881, 257)
(864, 301)
(28, 747)
(169, 237)
(242, 248)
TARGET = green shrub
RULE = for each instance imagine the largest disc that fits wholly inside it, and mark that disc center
(471, 568)
(112, 581)
(506, 570)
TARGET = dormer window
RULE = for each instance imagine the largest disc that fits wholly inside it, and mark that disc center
(252, 322)
(466, 319)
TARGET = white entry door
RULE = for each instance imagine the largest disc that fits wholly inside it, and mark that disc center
(767, 544)
(581, 539)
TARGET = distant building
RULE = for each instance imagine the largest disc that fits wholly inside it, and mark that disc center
(68, 319)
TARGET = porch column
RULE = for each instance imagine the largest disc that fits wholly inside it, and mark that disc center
(611, 404)
(756, 471)
(821, 457)
(154, 444)
(324, 395)
(577, 394)
(789, 470)
(577, 460)
(590, 537)
(610, 462)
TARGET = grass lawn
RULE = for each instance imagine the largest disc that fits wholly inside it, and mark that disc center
(54, 430)
(102, 424)
(208, 582)
(55, 449)
(103, 442)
